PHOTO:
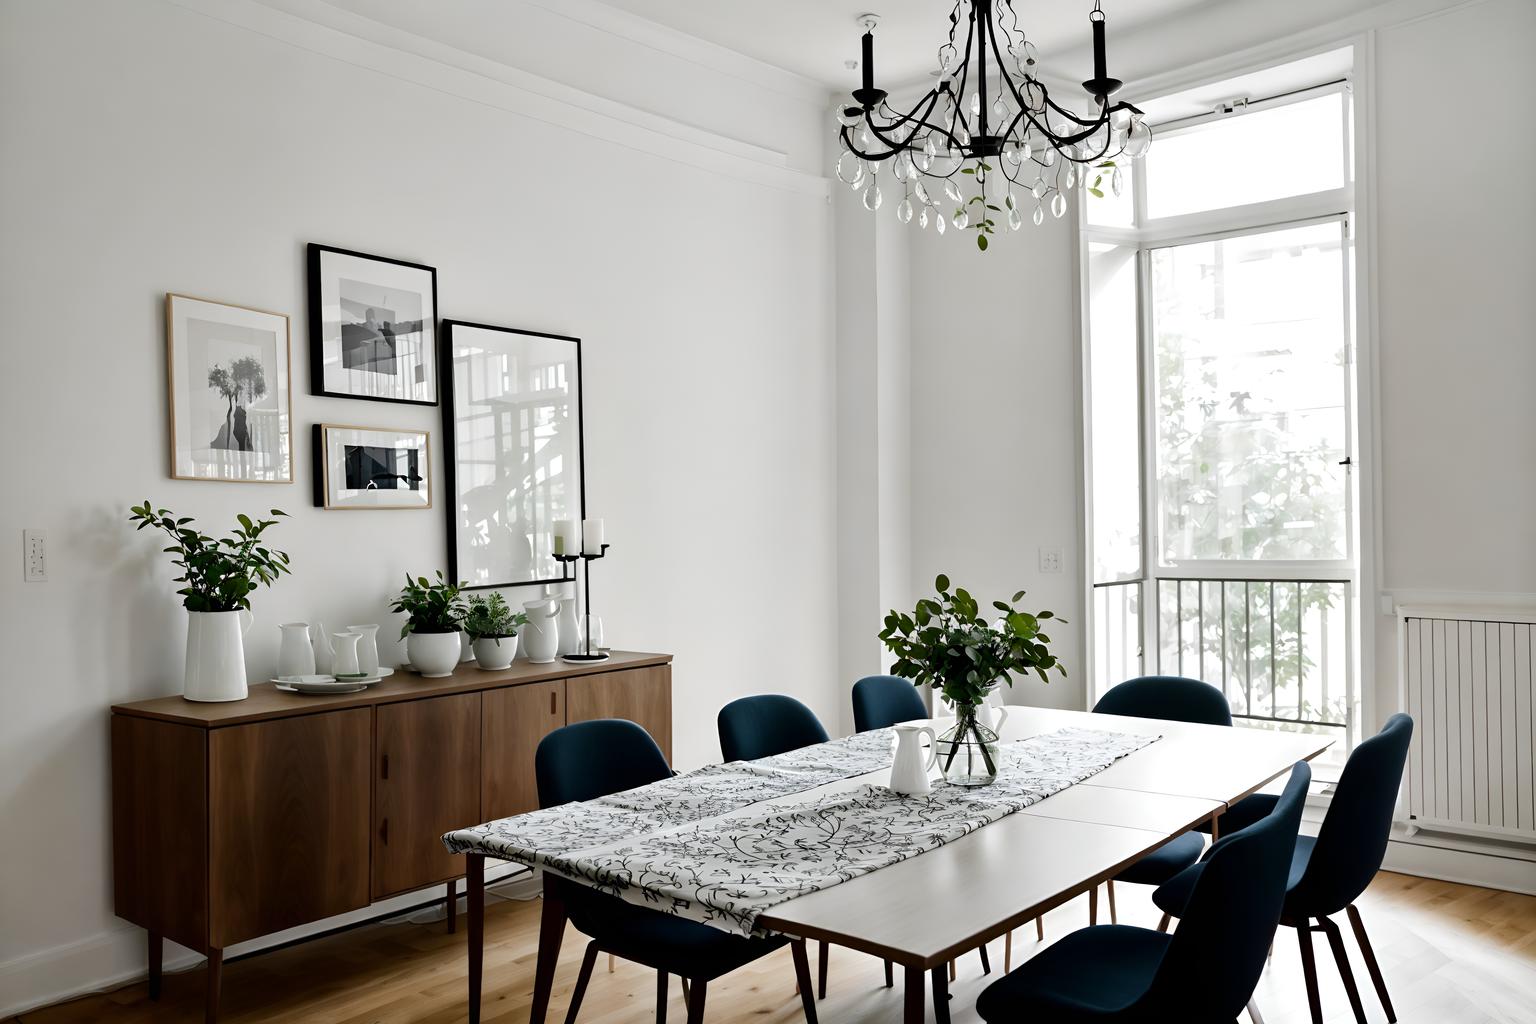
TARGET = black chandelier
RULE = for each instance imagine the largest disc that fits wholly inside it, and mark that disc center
(1014, 139)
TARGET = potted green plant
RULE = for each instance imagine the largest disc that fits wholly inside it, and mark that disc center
(948, 645)
(431, 634)
(219, 576)
(492, 629)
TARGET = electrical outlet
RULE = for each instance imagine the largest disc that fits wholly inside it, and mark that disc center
(34, 544)
(1050, 559)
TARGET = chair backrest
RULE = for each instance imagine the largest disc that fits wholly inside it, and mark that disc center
(592, 759)
(1218, 951)
(767, 724)
(1353, 837)
(1171, 698)
(879, 702)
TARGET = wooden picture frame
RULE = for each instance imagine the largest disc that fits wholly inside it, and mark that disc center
(228, 391)
(349, 469)
(505, 492)
(372, 327)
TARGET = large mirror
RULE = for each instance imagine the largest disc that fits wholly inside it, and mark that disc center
(513, 451)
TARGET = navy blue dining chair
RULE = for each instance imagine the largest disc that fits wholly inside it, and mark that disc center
(592, 759)
(767, 724)
(1204, 972)
(1331, 870)
(880, 702)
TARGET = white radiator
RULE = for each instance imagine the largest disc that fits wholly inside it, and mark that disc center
(1466, 680)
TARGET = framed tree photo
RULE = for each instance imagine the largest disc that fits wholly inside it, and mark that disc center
(371, 468)
(372, 327)
(512, 451)
(230, 402)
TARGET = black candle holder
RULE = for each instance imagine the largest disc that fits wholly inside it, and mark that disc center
(587, 655)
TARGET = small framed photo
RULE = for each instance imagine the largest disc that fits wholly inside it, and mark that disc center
(372, 327)
(230, 403)
(366, 467)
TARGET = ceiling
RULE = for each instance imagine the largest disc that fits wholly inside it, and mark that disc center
(815, 37)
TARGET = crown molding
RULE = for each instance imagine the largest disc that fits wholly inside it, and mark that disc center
(328, 31)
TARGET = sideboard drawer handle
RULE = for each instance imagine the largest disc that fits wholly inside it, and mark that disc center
(385, 767)
(384, 831)
(551, 701)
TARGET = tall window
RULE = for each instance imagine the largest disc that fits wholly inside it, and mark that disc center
(1220, 412)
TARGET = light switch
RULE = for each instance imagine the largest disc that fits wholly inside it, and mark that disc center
(34, 545)
(1050, 559)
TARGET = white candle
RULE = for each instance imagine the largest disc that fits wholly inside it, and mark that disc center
(591, 536)
(565, 536)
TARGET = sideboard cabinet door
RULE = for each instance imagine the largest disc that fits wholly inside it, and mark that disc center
(642, 695)
(288, 822)
(427, 782)
(513, 721)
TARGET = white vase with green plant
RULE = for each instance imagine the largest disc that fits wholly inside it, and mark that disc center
(492, 627)
(219, 576)
(948, 645)
(433, 641)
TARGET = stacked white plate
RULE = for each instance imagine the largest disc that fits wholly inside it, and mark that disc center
(329, 684)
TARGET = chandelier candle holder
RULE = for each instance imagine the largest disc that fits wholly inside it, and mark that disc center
(988, 137)
(586, 655)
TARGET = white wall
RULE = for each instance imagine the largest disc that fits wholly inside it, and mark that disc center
(995, 422)
(196, 147)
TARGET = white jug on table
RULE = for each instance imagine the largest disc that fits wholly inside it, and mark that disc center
(909, 770)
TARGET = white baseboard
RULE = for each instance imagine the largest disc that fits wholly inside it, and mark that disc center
(1513, 871)
(116, 957)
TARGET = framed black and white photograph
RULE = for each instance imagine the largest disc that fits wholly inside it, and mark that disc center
(231, 410)
(512, 451)
(366, 467)
(372, 327)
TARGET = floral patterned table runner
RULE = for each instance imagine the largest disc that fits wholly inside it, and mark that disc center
(699, 846)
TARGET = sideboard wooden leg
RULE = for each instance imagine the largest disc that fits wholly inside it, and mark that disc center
(452, 906)
(156, 957)
(474, 891)
(215, 979)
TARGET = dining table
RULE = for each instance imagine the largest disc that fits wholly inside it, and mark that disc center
(925, 910)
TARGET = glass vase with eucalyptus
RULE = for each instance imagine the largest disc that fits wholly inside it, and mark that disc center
(947, 644)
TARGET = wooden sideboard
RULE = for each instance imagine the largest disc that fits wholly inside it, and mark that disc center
(233, 821)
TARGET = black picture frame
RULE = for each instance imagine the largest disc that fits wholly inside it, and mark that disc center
(450, 468)
(317, 341)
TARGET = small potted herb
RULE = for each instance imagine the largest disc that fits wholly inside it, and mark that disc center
(492, 629)
(219, 576)
(431, 634)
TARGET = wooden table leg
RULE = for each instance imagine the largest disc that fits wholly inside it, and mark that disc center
(474, 892)
(821, 969)
(913, 1009)
(551, 932)
(156, 957)
(803, 973)
(940, 996)
(452, 906)
(215, 978)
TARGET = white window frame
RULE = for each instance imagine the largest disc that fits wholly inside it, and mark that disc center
(1353, 204)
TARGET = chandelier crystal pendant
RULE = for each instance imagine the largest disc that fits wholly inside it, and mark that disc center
(987, 139)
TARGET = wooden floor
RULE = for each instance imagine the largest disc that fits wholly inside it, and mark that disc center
(1452, 954)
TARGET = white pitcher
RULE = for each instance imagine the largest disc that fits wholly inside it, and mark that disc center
(216, 655)
(344, 654)
(568, 624)
(367, 648)
(540, 638)
(909, 769)
(295, 655)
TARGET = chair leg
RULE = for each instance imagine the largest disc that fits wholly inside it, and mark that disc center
(1370, 961)
(821, 969)
(696, 1003)
(611, 959)
(1341, 956)
(803, 973)
(890, 975)
(1039, 929)
(1309, 970)
(585, 976)
(1093, 905)
(1008, 952)
(1162, 925)
(1253, 1012)
(951, 970)
(661, 997)
(940, 997)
